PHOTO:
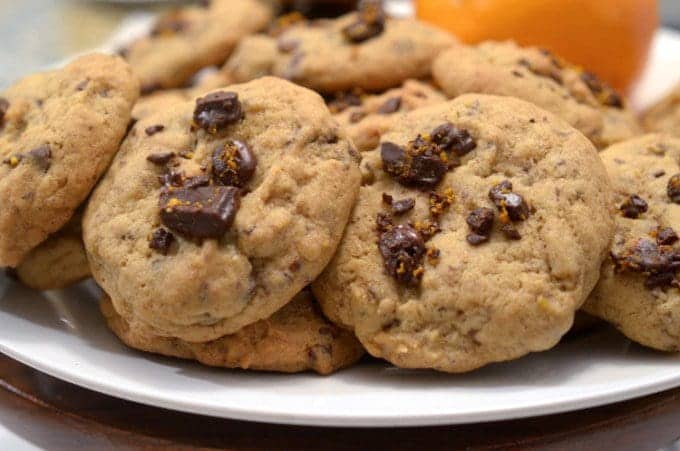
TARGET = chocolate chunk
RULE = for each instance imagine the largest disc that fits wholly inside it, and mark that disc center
(387, 199)
(199, 212)
(343, 100)
(475, 239)
(383, 222)
(152, 130)
(508, 202)
(370, 22)
(422, 165)
(399, 207)
(391, 105)
(403, 250)
(510, 232)
(602, 91)
(4, 106)
(634, 206)
(233, 164)
(660, 280)
(41, 156)
(196, 181)
(451, 138)
(666, 236)
(161, 240)
(217, 110)
(673, 188)
(648, 257)
(480, 220)
(171, 178)
(160, 158)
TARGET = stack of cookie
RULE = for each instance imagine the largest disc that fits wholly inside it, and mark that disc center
(359, 183)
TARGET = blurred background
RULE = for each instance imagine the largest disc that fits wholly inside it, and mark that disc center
(37, 33)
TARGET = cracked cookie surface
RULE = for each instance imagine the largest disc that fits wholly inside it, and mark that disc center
(531, 74)
(478, 232)
(236, 200)
(638, 290)
(294, 339)
(58, 133)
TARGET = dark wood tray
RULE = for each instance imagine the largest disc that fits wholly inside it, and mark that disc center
(57, 415)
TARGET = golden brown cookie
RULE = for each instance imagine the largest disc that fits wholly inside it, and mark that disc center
(364, 50)
(479, 231)
(236, 200)
(57, 262)
(296, 338)
(639, 289)
(58, 133)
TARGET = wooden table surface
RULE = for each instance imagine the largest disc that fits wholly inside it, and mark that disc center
(53, 414)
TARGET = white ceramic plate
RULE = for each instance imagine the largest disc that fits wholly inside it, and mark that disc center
(62, 334)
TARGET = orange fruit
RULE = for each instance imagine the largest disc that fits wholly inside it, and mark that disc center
(608, 37)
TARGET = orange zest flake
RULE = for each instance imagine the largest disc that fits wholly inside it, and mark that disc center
(418, 272)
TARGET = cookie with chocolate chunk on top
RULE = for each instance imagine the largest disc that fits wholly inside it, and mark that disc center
(535, 75)
(505, 223)
(294, 339)
(185, 40)
(365, 49)
(59, 132)
(639, 290)
(366, 117)
(220, 219)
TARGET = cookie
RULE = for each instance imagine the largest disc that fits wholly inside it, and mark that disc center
(366, 117)
(479, 230)
(236, 200)
(58, 133)
(664, 116)
(294, 339)
(639, 292)
(186, 40)
(58, 262)
(504, 68)
(364, 50)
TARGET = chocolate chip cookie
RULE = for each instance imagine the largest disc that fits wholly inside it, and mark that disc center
(365, 49)
(236, 200)
(639, 291)
(366, 117)
(531, 74)
(185, 40)
(294, 339)
(479, 230)
(57, 262)
(58, 133)
(664, 117)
